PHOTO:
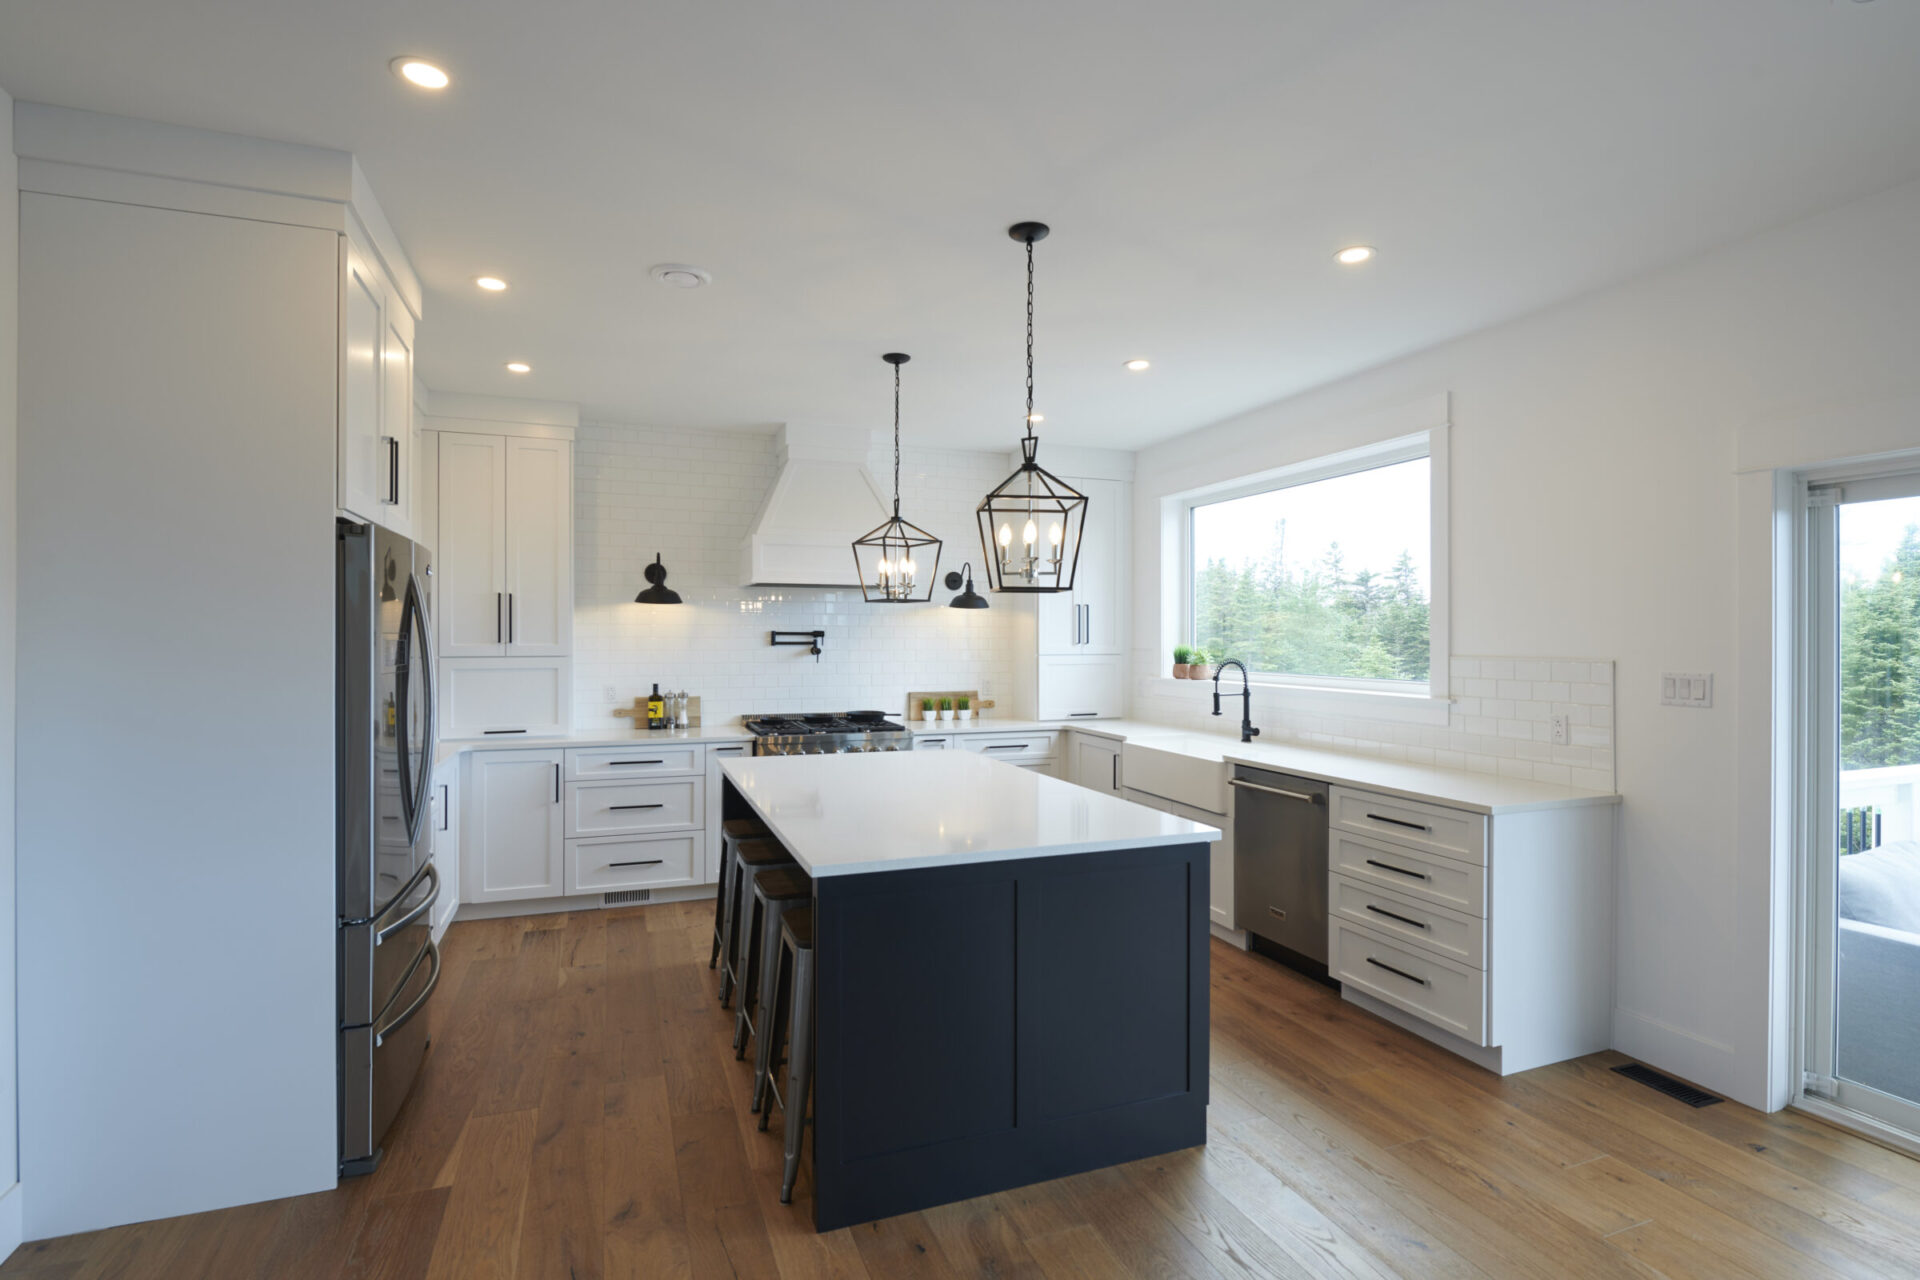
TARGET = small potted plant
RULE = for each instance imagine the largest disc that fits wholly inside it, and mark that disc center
(1182, 658)
(946, 708)
(1201, 667)
(926, 710)
(963, 709)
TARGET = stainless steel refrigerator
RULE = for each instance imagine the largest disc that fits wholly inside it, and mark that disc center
(388, 963)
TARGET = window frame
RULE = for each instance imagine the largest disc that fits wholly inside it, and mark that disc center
(1341, 692)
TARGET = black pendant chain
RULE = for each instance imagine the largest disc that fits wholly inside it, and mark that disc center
(896, 441)
(1030, 337)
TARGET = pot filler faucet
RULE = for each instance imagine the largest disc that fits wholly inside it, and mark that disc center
(1247, 732)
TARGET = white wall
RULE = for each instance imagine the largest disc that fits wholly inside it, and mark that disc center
(692, 496)
(176, 797)
(1596, 510)
(9, 385)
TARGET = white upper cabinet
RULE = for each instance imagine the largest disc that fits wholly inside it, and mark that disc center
(539, 546)
(505, 545)
(376, 395)
(472, 550)
(1087, 620)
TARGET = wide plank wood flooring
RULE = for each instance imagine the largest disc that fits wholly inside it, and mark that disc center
(581, 1116)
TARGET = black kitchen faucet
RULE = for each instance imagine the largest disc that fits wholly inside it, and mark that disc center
(1247, 732)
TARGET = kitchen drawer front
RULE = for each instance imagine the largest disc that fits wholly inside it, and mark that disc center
(629, 862)
(635, 808)
(1010, 746)
(641, 760)
(1451, 996)
(1454, 935)
(1453, 833)
(1446, 882)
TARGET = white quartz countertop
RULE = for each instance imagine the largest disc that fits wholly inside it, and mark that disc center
(726, 731)
(848, 814)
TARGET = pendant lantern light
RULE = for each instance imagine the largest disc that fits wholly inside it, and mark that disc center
(1030, 526)
(899, 561)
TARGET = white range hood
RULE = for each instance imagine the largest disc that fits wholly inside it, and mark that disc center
(823, 499)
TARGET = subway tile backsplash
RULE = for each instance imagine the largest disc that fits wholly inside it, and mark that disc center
(692, 496)
(1501, 722)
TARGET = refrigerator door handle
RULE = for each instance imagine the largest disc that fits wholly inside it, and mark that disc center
(386, 1026)
(413, 791)
(388, 930)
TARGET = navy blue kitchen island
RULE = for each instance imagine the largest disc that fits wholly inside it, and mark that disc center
(1011, 974)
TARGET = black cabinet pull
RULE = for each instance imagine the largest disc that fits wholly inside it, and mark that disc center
(1382, 911)
(510, 619)
(446, 808)
(1073, 714)
(616, 764)
(1010, 746)
(1390, 969)
(637, 806)
(1399, 822)
(499, 617)
(556, 783)
(1399, 871)
(393, 471)
(490, 732)
(645, 862)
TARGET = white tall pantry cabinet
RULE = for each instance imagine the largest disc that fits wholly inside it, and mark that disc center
(503, 551)
(1073, 667)
(185, 366)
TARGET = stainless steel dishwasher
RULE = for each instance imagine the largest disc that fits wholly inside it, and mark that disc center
(1280, 863)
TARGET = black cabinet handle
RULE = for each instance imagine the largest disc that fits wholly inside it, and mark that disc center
(446, 808)
(499, 617)
(1073, 714)
(1390, 969)
(393, 471)
(1382, 911)
(490, 732)
(636, 806)
(1399, 871)
(646, 862)
(1399, 822)
(1010, 746)
(556, 783)
(617, 764)
(510, 620)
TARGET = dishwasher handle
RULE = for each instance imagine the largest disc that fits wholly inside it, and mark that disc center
(1307, 797)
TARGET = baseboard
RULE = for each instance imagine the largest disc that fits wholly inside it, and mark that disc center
(13, 1224)
(1711, 1064)
(584, 902)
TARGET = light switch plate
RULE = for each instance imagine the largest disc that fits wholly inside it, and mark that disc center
(1686, 689)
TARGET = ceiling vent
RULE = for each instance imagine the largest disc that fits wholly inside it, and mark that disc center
(680, 275)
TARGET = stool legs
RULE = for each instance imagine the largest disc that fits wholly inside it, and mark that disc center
(774, 1012)
(720, 901)
(758, 917)
(729, 927)
(799, 1068)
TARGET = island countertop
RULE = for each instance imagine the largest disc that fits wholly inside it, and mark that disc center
(847, 814)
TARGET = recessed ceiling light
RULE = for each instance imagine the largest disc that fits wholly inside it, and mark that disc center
(680, 275)
(492, 284)
(1353, 255)
(420, 72)
(519, 366)
(1036, 417)
(1136, 366)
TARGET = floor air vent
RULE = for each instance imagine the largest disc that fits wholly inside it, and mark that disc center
(624, 896)
(1668, 1085)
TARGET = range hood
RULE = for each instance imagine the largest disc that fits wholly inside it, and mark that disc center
(823, 499)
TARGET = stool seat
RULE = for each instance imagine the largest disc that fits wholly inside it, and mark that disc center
(737, 912)
(763, 853)
(744, 829)
(797, 928)
(782, 884)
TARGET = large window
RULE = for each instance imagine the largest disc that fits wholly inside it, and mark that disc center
(1324, 578)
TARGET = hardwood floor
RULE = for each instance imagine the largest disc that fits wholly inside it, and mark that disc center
(582, 1116)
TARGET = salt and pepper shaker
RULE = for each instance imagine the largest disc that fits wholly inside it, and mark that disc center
(680, 717)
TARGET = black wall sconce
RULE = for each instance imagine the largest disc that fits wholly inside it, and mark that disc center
(968, 599)
(657, 591)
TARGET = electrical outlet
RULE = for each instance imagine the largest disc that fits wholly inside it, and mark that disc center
(1686, 689)
(1562, 731)
(606, 693)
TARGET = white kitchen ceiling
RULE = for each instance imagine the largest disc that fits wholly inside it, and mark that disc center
(846, 171)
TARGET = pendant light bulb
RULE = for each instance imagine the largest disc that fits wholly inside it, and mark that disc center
(1006, 535)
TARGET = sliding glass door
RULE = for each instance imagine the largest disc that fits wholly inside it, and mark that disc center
(1861, 972)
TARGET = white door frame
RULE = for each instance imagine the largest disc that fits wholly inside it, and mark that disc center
(1817, 1089)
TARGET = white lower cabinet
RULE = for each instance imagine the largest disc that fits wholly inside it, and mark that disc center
(1220, 858)
(1095, 763)
(444, 815)
(630, 862)
(514, 837)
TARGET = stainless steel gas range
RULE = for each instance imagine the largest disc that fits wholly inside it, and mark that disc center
(828, 734)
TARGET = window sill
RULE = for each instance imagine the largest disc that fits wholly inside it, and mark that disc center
(1367, 704)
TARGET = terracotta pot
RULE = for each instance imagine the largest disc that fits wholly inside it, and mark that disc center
(1199, 671)
(1179, 671)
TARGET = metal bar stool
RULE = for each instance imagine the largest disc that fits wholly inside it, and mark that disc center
(732, 832)
(792, 1013)
(749, 856)
(775, 891)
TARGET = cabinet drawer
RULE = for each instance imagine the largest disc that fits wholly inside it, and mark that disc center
(629, 862)
(1451, 832)
(922, 742)
(1451, 996)
(1442, 881)
(1452, 934)
(635, 808)
(641, 760)
(1009, 746)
